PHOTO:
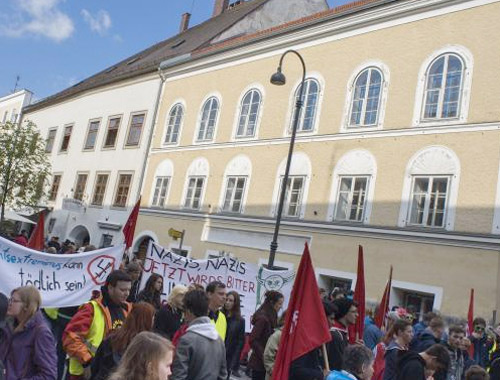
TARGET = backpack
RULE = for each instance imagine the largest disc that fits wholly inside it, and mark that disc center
(379, 362)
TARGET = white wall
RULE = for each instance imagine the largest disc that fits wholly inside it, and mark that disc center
(13, 104)
(123, 99)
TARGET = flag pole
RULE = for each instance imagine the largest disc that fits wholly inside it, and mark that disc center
(325, 357)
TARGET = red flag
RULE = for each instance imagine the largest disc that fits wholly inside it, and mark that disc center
(470, 320)
(306, 326)
(383, 308)
(37, 238)
(356, 330)
(129, 227)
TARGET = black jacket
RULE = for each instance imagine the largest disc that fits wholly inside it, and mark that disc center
(167, 321)
(105, 361)
(307, 367)
(411, 366)
(235, 340)
(336, 347)
(425, 340)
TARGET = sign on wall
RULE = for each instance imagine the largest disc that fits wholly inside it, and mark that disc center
(250, 281)
(63, 280)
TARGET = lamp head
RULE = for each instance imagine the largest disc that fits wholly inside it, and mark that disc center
(278, 78)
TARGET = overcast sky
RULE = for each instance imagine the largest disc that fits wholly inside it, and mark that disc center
(53, 44)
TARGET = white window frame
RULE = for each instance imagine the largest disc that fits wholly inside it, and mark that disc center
(420, 95)
(117, 185)
(126, 145)
(431, 179)
(286, 203)
(113, 117)
(438, 161)
(91, 122)
(178, 103)
(232, 196)
(84, 195)
(65, 151)
(91, 200)
(209, 97)
(258, 88)
(53, 141)
(60, 175)
(202, 191)
(157, 196)
(292, 102)
(354, 178)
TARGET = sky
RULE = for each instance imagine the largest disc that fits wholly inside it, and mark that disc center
(54, 44)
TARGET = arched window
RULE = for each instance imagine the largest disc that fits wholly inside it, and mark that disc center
(208, 119)
(174, 124)
(443, 88)
(310, 100)
(249, 114)
(366, 98)
(430, 189)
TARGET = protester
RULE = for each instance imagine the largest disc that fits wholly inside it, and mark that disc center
(200, 354)
(4, 304)
(272, 345)
(495, 356)
(372, 334)
(357, 364)
(27, 347)
(148, 357)
(94, 321)
(310, 365)
(419, 366)
(481, 343)
(169, 318)
(54, 243)
(419, 327)
(336, 293)
(323, 294)
(264, 322)
(430, 336)
(111, 350)
(399, 337)
(476, 372)
(235, 335)
(134, 270)
(216, 292)
(457, 361)
(22, 238)
(51, 250)
(346, 315)
(152, 291)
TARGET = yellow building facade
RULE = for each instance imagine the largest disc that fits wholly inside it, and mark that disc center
(397, 150)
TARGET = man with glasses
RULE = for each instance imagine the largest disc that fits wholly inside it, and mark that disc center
(481, 343)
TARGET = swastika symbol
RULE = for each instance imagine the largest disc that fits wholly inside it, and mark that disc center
(100, 267)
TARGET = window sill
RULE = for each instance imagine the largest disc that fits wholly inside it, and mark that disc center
(131, 146)
(109, 148)
(364, 128)
(438, 122)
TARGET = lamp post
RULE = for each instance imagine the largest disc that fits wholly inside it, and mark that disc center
(279, 79)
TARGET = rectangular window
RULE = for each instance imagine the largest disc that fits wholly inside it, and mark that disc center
(112, 132)
(51, 138)
(122, 190)
(81, 183)
(92, 135)
(134, 133)
(52, 222)
(101, 182)
(66, 138)
(56, 181)
(5, 115)
(293, 196)
(13, 115)
(428, 201)
(194, 191)
(351, 199)
(233, 198)
(160, 194)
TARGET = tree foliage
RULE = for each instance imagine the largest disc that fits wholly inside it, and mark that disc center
(24, 165)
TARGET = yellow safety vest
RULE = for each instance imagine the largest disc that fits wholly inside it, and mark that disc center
(220, 325)
(94, 338)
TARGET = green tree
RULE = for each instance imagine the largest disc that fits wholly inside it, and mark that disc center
(24, 166)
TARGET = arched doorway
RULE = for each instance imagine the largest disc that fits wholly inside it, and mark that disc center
(80, 235)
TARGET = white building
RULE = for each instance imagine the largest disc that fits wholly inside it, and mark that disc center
(11, 105)
(98, 132)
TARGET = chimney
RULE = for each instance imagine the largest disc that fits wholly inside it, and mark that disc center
(184, 22)
(220, 6)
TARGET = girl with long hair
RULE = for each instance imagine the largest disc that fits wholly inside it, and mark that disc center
(148, 357)
(27, 347)
(235, 333)
(264, 322)
(169, 318)
(111, 350)
(398, 338)
(152, 291)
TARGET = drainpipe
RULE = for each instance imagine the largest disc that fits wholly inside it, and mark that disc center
(163, 77)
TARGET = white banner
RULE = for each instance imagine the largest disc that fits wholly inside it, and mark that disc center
(63, 280)
(250, 281)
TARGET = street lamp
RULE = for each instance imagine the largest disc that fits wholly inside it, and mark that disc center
(279, 79)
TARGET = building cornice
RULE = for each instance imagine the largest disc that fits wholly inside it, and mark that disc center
(444, 238)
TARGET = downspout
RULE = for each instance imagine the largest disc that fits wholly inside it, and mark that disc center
(163, 77)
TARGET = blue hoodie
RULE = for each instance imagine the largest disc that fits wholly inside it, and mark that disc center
(372, 333)
(341, 375)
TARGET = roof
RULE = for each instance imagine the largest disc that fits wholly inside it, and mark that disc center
(148, 60)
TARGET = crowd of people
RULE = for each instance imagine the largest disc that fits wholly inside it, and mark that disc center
(199, 333)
